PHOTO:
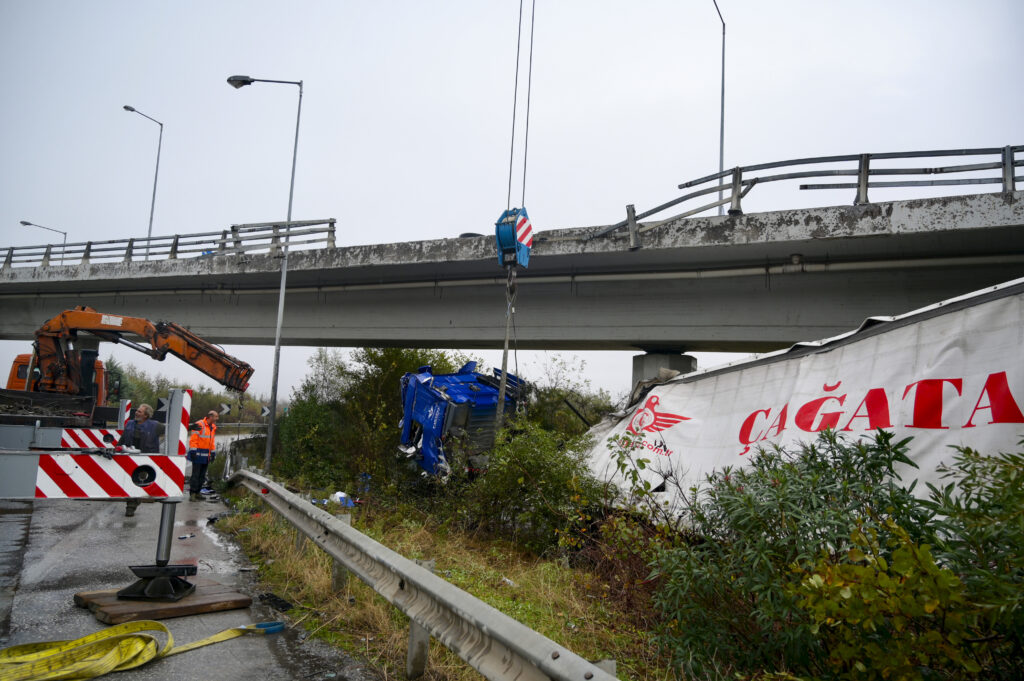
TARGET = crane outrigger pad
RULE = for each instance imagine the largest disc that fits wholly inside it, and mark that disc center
(159, 583)
(209, 596)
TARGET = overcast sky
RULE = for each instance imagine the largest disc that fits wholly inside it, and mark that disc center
(407, 113)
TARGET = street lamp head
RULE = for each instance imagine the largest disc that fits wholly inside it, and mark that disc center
(26, 223)
(240, 81)
(129, 108)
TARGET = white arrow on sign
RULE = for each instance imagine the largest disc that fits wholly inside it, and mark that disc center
(265, 412)
(161, 404)
(225, 408)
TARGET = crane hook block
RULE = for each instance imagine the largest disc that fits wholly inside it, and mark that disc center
(514, 235)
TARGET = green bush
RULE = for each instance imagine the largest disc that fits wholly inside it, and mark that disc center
(538, 487)
(818, 564)
(957, 615)
(728, 598)
(978, 532)
(903, 619)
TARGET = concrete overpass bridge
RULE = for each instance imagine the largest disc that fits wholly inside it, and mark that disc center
(739, 283)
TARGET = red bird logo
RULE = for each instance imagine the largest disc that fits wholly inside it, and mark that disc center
(648, 418)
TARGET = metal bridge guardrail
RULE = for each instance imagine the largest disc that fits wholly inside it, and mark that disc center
(491, 642)
(264, 237)
(737, 182)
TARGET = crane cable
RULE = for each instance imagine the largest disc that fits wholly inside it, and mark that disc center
(515, 104)
(510, 284)
(117, 648)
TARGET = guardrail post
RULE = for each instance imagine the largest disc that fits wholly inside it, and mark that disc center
(46, 257)
(863, 172)
(419, 640)
(223, 241)
(634, 236)
(275, 241)
(339, 575)
(9, 260)
(330, 235)
(173, 255)
(237, 237)
(1008, 184)
(128, 250)
(737, 188)
(86, 253)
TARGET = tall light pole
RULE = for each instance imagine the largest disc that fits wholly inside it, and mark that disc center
(721, 129)
(239, 82)
(159, 144)
(26, 223)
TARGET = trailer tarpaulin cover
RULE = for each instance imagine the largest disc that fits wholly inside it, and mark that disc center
(949, 374)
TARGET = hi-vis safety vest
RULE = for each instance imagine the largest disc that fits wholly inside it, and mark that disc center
(202, 441)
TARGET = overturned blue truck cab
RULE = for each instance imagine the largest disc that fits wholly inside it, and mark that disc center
(439, 409)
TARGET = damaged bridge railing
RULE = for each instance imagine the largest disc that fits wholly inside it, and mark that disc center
(736, 183)
(491, 642)
(264, 237)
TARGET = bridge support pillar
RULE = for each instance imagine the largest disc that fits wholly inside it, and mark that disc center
(647, 365)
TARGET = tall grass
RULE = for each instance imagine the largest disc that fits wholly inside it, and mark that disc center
(571, 606)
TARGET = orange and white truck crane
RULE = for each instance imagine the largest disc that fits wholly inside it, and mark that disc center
(61, 366)
(48, 443)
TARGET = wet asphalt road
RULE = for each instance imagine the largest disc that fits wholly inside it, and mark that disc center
(52, 549)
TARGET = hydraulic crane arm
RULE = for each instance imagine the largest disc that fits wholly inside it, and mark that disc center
(60, 365)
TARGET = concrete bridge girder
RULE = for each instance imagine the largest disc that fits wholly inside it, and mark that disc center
(746, 283)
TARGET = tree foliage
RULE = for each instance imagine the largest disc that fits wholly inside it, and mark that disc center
(343, 420)
(561, 399)
(142, 387)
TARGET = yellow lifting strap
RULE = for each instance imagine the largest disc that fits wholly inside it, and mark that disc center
(116, 649)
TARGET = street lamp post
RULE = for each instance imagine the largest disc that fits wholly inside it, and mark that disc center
(239, 82)
(159, 145)
(64, 244)
(721, 128)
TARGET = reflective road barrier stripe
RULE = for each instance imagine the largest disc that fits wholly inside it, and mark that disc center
(94, 476)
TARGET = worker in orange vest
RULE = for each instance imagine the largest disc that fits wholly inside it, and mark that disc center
(201, 446)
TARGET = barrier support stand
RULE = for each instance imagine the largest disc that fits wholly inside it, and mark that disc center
(161, 582)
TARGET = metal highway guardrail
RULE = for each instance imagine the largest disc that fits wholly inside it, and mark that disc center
(264, 237)
(491, 642)
(738, 181)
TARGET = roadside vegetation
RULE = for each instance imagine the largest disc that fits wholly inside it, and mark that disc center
(815, 563)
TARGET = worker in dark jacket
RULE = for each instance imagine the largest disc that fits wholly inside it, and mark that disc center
(142, 434)
(200, 451)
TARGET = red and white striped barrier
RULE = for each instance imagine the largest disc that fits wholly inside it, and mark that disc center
(85, 438)
(124, 415)
(91, 476)
(186, 408)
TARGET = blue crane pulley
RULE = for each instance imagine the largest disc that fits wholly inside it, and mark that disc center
(514, 234)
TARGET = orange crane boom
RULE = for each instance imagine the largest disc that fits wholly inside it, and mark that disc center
(59, 362)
